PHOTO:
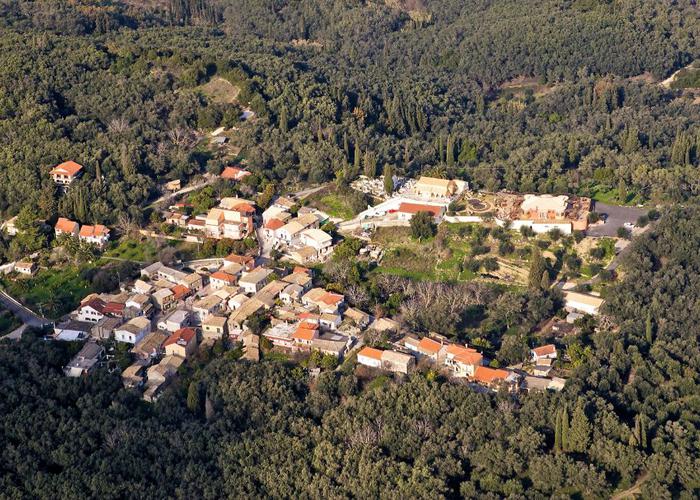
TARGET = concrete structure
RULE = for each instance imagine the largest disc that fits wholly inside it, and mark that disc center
(85, 361)
(214, 327)
(544, 206)
(97, 235)
(371, 357)
(174, 321)
(584, 303)
(133, 331)
(430, 187)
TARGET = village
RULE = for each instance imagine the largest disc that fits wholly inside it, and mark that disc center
(268, 300)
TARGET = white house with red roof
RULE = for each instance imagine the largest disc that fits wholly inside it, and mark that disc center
(97, 235)
(406, 211)
(234, 174)
(66, 226)
(65, 173)
(220, 279)
(182, 343)
(548, 351)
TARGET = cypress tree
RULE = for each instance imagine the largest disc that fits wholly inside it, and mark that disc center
(346, 147)
(622, 191)
(545, 283)
(538, 267)
(356, 156)
(649, 329)
(406, 156)
(557, 432)
(388, 179)
(580, 432)
(565, 429)
(450, 153)
(642, 432)
(370, 165)
(284, 122)
(193, 397)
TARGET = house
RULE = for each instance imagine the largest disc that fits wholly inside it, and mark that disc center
(142, 287)
(26, 268)
(316, 239)
(233, 268)
(430, 187)
(291, 293)
(220, 279)
(288, 233)
(542, 370)
(97, 235)
(92, 309)
(205, 307)
(308, 220)
(234, 222)
(582, 302)
(174, 321)
(303, 255)
(164, 299)
(326, 302)
(370, 356)
(180, 292)
(359, 318)
(182, 343)
(72, 330)
(330, 321)
(134, 376)
(548, 351)
(269, 293)
(196, 224)
(244, 260)
(494, 378)
(237, 301)
(174, 185)
(463, 360)
(133, 331)
(193, 281)
(251, 347)
(271, 226)
(164, 371)
(406, 211)
(253, 281)
(430, 349)
(65, 173)
(150, 347)
(385, 325)
(241, 315)
(10, 226)
(305, 333)
(85, 361)
(214, 327)
(176, 219)
(300, 278)
(234, 174)
(104, 329)
(67, 227)
(280, 334)
(397, 362)
(333, 344)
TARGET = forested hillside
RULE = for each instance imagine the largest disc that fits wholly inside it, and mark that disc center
(412, 84)
(629, 413)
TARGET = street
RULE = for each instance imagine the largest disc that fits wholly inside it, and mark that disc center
(28, 317)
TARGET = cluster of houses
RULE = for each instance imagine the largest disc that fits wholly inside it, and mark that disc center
(167, 313)
(234, 219)
(462, 362)
(300, 236)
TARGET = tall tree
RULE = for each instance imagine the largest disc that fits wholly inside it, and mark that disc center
(194, 401)
(538, 266)
(388, 179)
(580, 435)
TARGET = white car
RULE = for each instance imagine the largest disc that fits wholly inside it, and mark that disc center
(628, 225)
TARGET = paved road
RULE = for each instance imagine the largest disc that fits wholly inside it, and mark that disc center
(28, 317)
(304, 193)
(616, 218)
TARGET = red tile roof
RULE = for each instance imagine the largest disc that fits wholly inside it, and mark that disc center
(371, 352)
(66, 225)
(97, 304)
(488, 375)
(185, 335)
(179, 291)
(299, 269)
(305, 334)
(67, 168)
(234, 173)
(414, 208)
(274, 224)
(93, 231)
(331, 299)
(470, 358)
(113, 308)
(429, 346)
(223, 276)
(244, 260)
(545, 350)
(456, 349)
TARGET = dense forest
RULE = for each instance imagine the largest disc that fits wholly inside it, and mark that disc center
(233, 429)
(342, 88)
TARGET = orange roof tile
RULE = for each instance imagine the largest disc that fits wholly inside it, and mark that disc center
(371, 352)
(469, 358)
(234, 173)
(331, 299)
(488, 375)
(113, 308)
(429, 346)
(545, 350)
(66, 225)
(308, 325)
(299, 269)
(179, 291)
(456, 349)
(93, 231)
(67, 168)
(240, 259)
(223, 276)
(274, 224)
(304, 334)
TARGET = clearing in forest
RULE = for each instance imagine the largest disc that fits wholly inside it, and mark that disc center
(220, 91)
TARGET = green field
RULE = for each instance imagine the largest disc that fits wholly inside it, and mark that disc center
(51, 292)
(139, 251)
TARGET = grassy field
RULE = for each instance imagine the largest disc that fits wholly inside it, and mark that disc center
(137, 250)
(52, 292)
(336, 203)
(220, 91)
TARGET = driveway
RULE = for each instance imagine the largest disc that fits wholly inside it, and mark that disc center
(616, 218)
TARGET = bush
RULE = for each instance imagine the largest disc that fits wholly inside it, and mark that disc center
(654, 214)
(643, 220)
(593, 217)
(623, 232)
